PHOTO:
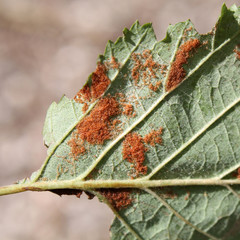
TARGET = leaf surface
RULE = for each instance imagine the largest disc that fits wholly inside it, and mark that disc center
(155, 133)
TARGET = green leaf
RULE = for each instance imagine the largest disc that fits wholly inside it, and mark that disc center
(155, 134)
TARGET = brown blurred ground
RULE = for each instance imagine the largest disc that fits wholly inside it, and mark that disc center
(48, 48)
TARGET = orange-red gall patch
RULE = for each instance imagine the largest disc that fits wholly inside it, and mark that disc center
(163, 69)
(155, 87)
(118, 198)
(146, 53)
(100, 81)
(137, 67)
(126, 106)
(99, 85)
(134, 152)
(128, 109)
(77, 147)
(115, 122)
(149, 64)
(121, 97)
(96, 127)
(115, 127)
(85, 107)
(177, 72)
(84, 95)
(144, 67)
(154, 137)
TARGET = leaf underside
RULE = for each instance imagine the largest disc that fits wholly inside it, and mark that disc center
(171, 113)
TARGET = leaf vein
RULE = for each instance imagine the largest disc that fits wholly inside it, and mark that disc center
(193, 138)
(178, 215)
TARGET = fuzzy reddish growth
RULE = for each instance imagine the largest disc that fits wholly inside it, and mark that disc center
(177, 72)
(118, 198)
(96, 127)
(154, 137)
(77, 147)
(137, 67)
(128, 109)
(149, 64)
(134, 152)
(100, 81)
(85, 107)
(144, 67)
(83, 95)
(155, 87)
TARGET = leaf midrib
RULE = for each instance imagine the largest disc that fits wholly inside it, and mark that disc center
(96, 184)
(138, 183)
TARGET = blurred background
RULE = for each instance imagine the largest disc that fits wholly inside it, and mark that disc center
(47, 49)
